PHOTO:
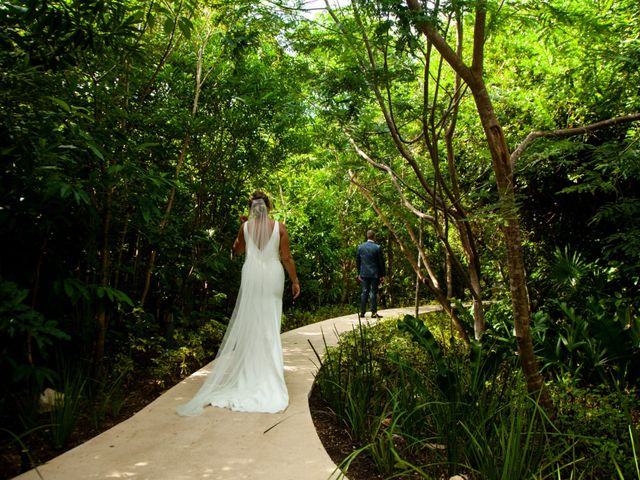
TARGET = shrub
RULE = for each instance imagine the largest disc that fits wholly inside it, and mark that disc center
(193, 350)
(421, 407)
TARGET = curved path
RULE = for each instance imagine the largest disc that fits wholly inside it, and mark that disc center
(157, 444)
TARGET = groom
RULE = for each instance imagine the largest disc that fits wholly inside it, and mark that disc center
(370, 264)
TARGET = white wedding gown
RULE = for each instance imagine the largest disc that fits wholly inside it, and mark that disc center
(248, 372)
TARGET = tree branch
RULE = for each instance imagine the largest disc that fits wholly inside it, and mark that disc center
(478, 39)
(570, 132)
(431, 280)
(441, 44)
(385, 168)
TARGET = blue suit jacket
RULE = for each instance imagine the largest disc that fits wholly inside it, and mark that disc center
(370, 261)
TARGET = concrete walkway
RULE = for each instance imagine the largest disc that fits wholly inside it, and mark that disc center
(157, 444)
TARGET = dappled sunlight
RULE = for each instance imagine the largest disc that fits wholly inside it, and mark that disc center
(230, 469)
(310, 365)
(142, 468)
(238, 461)
(310, 334)
(235, 468)
(220, 444)
(129, 474)
(290, 350)
(121, 475)
(194, 376)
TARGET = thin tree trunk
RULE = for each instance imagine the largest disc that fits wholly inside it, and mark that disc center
(511, 232)
(449, 275)
(200, 79)
(502, 167)
(426, 279)
(36, 289)
(118, 266)
(391, 263)
(136, 259)
(102, 317)
(167, 51)
(417, 298)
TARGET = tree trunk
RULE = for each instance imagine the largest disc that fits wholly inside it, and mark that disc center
(449, 274)
(118, 265)
(417, 298)
(501, 162)
(200, 79)
(101, 314)
(388, 297)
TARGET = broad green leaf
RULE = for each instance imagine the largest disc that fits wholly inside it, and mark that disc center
(65, 190)
(96, 151)
(168, 26)
(185, 26)
(61, 103)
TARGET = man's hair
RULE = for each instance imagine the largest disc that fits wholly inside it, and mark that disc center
(371, 235)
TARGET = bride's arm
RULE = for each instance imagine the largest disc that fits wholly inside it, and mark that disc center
(287, 260)
(239, 244)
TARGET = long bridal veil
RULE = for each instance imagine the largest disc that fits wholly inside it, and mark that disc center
(258, 224)
(248, 371)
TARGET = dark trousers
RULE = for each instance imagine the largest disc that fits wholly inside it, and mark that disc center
(369, 290)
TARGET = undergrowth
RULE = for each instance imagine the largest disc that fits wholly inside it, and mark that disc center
(421, 405)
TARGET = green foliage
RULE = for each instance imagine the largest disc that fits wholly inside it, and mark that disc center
(589, 190)
(484, 363)
(463, 380)
(636, 455)
(416, 424)
(27, 336)
(579, 195)
(351, 386)
(512, 443)
(597, 423)
(113, 156)
(418, 393)
(593, 338)
(67, 405)
(192, 350)
(584, 332)
(326, 221)
(106, 395)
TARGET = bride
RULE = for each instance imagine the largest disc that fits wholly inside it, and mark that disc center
(248, 372)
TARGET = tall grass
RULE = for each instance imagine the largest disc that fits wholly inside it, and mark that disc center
(25, 453)
(105, 397)
(515, 443)
(349, 387)
(634, 449)
(389, 446)
(67, 405)
(422, 408)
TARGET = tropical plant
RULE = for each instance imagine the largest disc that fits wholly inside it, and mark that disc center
(437, 410)
(67, 403)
